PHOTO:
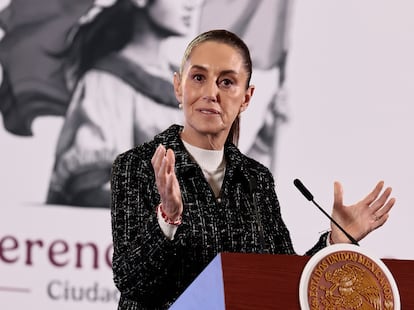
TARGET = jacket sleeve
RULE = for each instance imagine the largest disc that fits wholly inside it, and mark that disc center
(144, 260)
(279, 231)
(322, 243)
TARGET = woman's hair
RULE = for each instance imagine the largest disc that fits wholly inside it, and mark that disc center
(108, 32)
(231, 39)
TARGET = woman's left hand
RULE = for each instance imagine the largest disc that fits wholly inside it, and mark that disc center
(361, 218)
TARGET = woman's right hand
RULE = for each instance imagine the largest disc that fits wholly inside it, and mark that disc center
(163, 162)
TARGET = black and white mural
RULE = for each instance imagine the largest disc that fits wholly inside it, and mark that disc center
(84, 80)
(108, 72)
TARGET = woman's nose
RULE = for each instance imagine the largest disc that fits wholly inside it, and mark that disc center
(211, 91)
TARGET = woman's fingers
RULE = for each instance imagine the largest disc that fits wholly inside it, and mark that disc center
(380, 206)
(381, 215)
(379, 203)
(338, 194)
(163, 162)
(158, 165)
(370, 198)
(157, 157)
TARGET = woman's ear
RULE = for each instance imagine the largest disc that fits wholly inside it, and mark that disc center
(177, 87)
(247, 97)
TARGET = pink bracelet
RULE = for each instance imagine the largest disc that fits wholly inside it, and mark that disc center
(167, 219)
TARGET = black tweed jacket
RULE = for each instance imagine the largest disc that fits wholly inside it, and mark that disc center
(151, 271)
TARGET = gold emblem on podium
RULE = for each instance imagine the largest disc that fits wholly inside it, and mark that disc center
(345, 277)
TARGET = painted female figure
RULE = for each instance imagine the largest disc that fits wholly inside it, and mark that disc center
(122, 95)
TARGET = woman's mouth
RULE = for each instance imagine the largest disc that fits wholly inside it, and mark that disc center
(209, 111)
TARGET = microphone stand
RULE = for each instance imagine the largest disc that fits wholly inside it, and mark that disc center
(305, 192)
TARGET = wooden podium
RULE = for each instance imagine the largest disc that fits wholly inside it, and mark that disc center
(264, 281)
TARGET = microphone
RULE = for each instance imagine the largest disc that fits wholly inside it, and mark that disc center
(305, 192)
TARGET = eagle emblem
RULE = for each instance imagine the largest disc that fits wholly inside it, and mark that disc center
(352, 288)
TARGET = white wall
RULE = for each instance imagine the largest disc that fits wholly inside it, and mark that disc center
(351, 76)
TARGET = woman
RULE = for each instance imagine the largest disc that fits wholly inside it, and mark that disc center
(185, 196)
(123, 95)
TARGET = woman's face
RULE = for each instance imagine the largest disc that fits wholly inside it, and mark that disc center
(212, 90)
(174, 16)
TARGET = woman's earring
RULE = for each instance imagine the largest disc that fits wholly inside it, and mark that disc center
(180, 105)
(141, 3)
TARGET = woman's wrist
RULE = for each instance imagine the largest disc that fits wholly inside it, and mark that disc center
(331, 241)
(168, 219)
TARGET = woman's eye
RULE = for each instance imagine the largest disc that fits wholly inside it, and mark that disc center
(226, 82)
(198, 77)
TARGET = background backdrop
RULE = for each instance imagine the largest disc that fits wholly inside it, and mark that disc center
(349, 103)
